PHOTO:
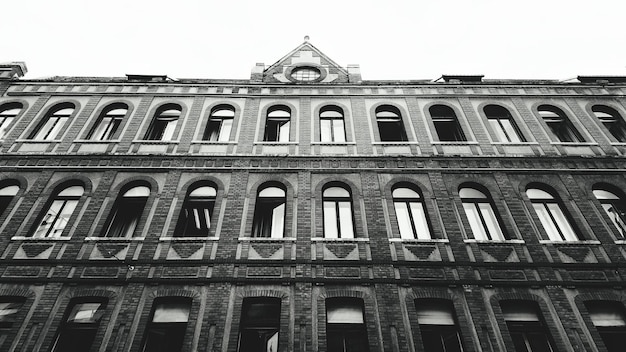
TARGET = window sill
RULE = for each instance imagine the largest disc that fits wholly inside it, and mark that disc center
(114, 239)
(620, 241)
(569, 242)
(514, 143)
(323, 239)
(93, 141)
(142, 141)
(471, 240)
(455, 143)
(420, 240)
(395, 143)
(38, 141)
(266, 239)
(276, 143)
(187, 239)
(575, 144)
(333, 144)
(213, 142)
(34, 239)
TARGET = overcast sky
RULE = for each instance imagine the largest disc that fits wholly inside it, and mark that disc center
(391, 39)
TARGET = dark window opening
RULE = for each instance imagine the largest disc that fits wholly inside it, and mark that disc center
(269, 213)
(80, 325)
(127, 212)
(107, 125)
(8, 113)
(260, 325)
(446, 124)
(164, 123)
(612, 120)
(345, 325)
(614, 206)
(220, 124)
(168, 322)
(610, 321)
(390, 125)
(438, 326)
(526, 327)
(277, 124)
(197, 212)
(561, 127)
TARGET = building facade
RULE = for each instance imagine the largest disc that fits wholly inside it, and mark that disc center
(307, 209)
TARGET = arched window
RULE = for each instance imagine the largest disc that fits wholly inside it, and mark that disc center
(220, 124)
(345, 325)
(609, 318)
(613, 205)
(438, 325)
(108, 123)
(269, 213)
(612, 120)
(446, 124)
(7, 193)
(259, 324)
(526, 326)
(54, 123)
(58, 214)
(79, 326)
(480, 213)
(9, 309)
(410, 213)
(560, 126)
(551, 214)
(8, 113)
(390, 125)
(167, 324)
(332, 126)
(338, 217)
(127, 212)
(195, 216)
(164, 123)
(503, 125)
(277, 124)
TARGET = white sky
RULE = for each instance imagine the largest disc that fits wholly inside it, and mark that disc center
(391, 39)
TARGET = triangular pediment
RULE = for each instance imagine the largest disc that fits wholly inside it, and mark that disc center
(305, 65)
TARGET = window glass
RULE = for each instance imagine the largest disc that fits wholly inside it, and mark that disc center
(390, 125)
(53, 123)
(197, 212)
(551, 215)
(9, 309)
(337, 209)
(503, 125)
(526, 326)
(609, 319)
(614, 207)
(220, 124)
(411, 214)
(269, 215)
(612, 121)
(59, 212)
(167, 326)
(277, 124)
(560, 126)
(481, 215)
(7, 194)
(260, 325)
(164, 123)
(446, 124)
(438, 326)
(78, 330)
(345, 325)
(8, 113)
(108, 123)
(127, 212)
(332, 127)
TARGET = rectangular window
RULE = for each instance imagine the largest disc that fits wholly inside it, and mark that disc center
(332, 130)
(526, 326)
(260, 324)
(56, 219)
(168, 323)
(79, 327)
(345, 325)
(438, 327)
(610, 321)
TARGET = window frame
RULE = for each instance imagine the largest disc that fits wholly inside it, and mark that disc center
(332, 128)
(519, 329)
(503, 132)
(73, 328)
(608, 332)
(113, 127)
(8, 118)
(6, 200)
(266, 329)
(559, 124)
(436, 327)
(126, 214)
(411, 215)
(62, 202)
(482, 207)
(339, 219)
(191, 202)
(176, 328)
(617, 219)
(562, 215)
(164, 124)
(390, 124)
(60, 118)
(219, 128)
(19, 302)
(446, 122)
(348, 331)
(612, 121)
(263, 221)
(277, 128)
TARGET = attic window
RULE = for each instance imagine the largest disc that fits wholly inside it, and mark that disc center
(305, 74)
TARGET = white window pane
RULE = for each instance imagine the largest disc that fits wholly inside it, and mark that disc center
(168, 131)
(279, 113)
(56, 129)
(338, 131)
(349, 314)
(278, 221)
(602, 194)
(48, 219)
(404, 221)
(330, 220)
(72, 191)
(345, 220)
(510, 131)
(325, 131)
(474, 220)
(491, 221)
(7, 309)
(171, 312)
(84, 313)
(404, 193)
(283, 132)
(562, 222)
(63, 218)
(44, 131)
(139, 191)
(534, 193)
(606, 315)
(205, 191)
(9, 190)
(272, 192)
(434, 316)
(336, 192)
(227, 125)
(419, 217)
(471, 193)
(497, 129)
(547, 223)
(4, 125)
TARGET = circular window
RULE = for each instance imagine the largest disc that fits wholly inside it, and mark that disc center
(305, 74)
